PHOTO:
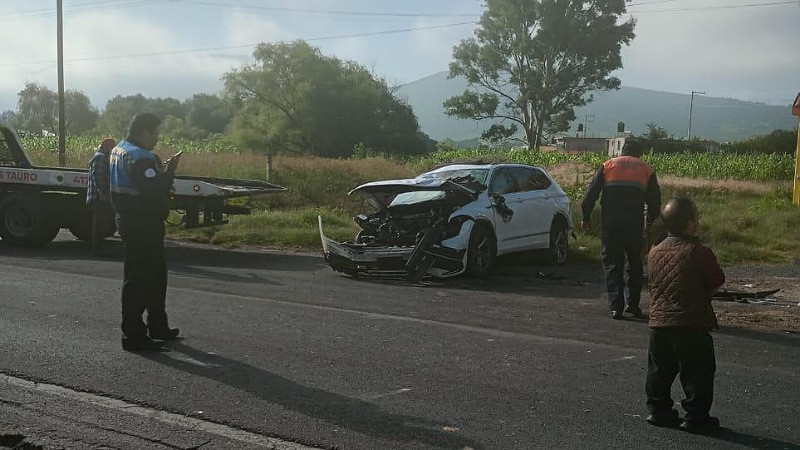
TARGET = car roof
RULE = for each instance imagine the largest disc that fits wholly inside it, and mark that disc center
(466, 166)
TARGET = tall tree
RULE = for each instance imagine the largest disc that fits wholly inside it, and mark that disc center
(120, 110)
(81, 115)
(532, 62)
(208, 112)
(38, 110)
(295, 98)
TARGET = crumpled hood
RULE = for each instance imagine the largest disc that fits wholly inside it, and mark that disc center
(381, 193)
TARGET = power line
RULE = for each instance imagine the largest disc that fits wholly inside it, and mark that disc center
(236, 47)
(322, 11)
(714, 8)
(47, 12)
(79, 8)
(651, 3)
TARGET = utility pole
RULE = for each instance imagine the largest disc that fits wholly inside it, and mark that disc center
(796, 190)
(691, 105)
(62, 128)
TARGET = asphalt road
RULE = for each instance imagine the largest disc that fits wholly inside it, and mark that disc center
(278, 346)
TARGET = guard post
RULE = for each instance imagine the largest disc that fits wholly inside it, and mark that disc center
(796, 192)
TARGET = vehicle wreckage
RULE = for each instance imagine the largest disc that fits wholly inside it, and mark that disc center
(453, 220)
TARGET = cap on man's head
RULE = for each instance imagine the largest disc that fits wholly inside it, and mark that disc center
(108, 144)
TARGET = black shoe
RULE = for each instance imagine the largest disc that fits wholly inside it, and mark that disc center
(616, 315)
(635, 311)
(165, 334)
(669, 418)
(140, 344)
(700, 427)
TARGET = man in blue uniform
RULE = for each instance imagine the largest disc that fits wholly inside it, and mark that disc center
(139, 188)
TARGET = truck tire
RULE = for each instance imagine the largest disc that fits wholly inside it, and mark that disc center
(23, 222)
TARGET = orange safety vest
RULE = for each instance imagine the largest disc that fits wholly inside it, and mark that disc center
(626, 171)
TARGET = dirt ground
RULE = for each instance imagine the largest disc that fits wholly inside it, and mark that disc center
(778, 312)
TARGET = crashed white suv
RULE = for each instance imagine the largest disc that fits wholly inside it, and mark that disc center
(455, 219)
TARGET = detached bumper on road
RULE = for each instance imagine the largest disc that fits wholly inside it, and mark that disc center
(413, 262)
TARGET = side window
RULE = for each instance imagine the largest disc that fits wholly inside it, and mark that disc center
(540, 180)
(530, 179)
(503, 183)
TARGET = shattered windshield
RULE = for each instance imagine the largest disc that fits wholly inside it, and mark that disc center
(478, 175)
(410, 198)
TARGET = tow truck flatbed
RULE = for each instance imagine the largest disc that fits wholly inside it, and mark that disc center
(35, 202)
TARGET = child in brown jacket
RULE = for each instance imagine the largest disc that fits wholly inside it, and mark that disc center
(683, 276)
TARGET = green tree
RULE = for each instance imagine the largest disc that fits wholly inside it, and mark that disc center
(120, 110)
(177, 128)
(8, 118)
(38, 110)
(532, 62)
(81, 115)
(294, 98)
(118, 113)
(208, 112)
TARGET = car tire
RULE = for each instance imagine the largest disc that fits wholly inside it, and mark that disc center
(558, 252)
(481, 252)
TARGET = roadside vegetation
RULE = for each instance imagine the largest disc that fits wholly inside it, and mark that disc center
(745, 199)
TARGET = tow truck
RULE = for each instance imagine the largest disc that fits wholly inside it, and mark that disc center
(37, 202)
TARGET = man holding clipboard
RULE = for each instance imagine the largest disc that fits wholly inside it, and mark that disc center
(140, 184)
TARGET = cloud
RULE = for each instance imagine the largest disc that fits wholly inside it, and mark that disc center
(726, 51)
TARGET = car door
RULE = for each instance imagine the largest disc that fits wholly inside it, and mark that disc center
(535, 204)
(510, 229)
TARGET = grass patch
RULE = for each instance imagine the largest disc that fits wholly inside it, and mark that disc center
(296, 229)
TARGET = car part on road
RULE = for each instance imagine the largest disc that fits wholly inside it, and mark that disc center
(743, 297)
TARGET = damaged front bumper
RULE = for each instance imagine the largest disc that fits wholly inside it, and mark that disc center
(441, 259)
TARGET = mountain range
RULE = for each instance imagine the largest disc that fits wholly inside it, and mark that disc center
(715, 118)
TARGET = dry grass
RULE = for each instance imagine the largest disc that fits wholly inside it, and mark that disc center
(721, 186)
(572, 173)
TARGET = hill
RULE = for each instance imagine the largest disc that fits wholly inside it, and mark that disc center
(720, 119)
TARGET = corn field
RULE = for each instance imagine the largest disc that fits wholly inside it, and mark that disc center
(757, 167)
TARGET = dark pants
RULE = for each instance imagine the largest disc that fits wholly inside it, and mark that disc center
(145, 274)
(688, 352)
(102, 223)
(621, 242)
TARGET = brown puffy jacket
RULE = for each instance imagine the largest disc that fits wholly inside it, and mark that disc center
(683, 276)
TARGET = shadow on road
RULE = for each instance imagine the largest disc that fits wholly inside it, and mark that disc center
(179, 256)
(752, 441)
(353, 414)
(788, 340)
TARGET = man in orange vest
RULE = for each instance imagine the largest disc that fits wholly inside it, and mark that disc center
(627, 184)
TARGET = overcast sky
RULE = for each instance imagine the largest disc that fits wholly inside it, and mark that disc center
(176, 48)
